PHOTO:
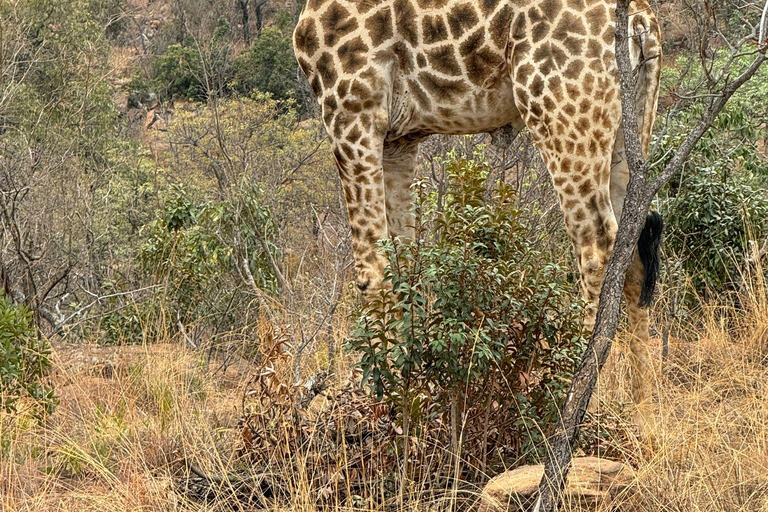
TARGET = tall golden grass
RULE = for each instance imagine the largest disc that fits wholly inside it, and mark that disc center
(133, 419)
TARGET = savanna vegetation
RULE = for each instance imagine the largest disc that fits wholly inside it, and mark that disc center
(179, 329)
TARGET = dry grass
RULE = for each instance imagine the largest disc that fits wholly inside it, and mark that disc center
(131, 416)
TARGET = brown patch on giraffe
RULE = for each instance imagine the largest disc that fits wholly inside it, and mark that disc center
(351, 106)
(500, 26)
(354, 135)
(434, 29)
(573, 70)
(518, 31)
(551, 9)
(330, 103)
(554, 85)
(431, 4)
(569, 25)
(586, 188)
(488, 6)
(305, 37)
(540, 30)
(549, 57)
(462, 18)
(337, 22)
(594, 49)
(609, 36)
(326, 70)
(379, 26)
(359, 90)
(353, 55)
(522, 97)
(405, 19)
(404, 56)
(317, 88)
(523, 73)
(535, 15)
(575, 46)
(421, 60)
(577, 5)
(439, 87)
(305, 66)
(537, 86)
(597, 19)
(343, 89)
(588, 83)
(479, 60)
(444, 60)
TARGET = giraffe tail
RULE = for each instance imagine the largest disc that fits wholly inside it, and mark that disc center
(648, 250)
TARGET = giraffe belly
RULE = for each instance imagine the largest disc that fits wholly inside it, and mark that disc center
(480, 110)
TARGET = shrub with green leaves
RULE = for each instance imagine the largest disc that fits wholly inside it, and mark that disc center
(24, 360)
(179, 73)
(720, 201)
(709, 221)
(481, 332)
(209, 259)
(269, 65)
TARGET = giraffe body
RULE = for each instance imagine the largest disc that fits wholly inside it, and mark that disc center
(388, 73)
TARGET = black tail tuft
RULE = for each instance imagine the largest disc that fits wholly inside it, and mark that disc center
(648, 250)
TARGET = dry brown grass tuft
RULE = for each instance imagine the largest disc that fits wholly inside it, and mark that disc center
(133, 418)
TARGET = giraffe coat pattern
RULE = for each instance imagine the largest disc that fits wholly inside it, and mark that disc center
(388, 73)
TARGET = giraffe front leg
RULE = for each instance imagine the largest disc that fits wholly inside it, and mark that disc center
(359, 157)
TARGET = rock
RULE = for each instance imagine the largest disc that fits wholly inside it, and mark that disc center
(592, 484)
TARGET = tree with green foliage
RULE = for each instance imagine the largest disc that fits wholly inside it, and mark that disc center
(268, 66)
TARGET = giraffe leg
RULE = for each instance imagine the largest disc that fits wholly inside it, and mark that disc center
(357, 141)
(639, 315)
(399, 164)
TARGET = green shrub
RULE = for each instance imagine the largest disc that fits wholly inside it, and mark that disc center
(179, 73)
(481, 331)
(719, 202)
(24, 360)
(268, 66)
(198, 254)
(709, 221)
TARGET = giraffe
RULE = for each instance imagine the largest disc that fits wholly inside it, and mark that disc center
(388, 73)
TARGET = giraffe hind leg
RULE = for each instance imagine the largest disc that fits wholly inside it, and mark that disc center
(639, 284)
(399, 165)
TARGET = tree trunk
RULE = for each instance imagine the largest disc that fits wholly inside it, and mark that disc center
(243, 5)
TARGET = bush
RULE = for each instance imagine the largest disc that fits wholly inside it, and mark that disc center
(709, 221)
(480, 333)
(719, 202)
(24, 360)
(209, 257)
(179, 73)
(268, 66)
